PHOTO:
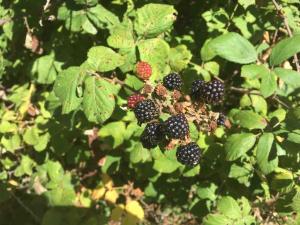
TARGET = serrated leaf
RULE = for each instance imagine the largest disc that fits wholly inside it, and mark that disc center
(25, 167)
(207, 191)
(11, 142)
(104, 59)
(101, 17)
(98, 99)
(232, 47)
(121, 36)
(238, 144)
(156, 52)
(246, 3)
(180, 56)
(241, 173)
(165, 165)
(154, 19)
(229, 207)
(285, 49)
(266, 162)
(250, 120)
(65, 88)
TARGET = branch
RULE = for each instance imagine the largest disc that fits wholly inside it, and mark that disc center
(290, 33)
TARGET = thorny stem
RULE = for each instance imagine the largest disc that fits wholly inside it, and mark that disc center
(286, 24)
(34, 216)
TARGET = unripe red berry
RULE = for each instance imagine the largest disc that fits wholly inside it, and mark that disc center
(143, 70)
(134, 99)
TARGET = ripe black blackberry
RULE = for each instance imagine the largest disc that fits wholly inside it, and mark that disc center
(189, 154)
(197, 89)
(152, 135)
(172, 81)
(213, 92)
(221, 119)
(145, 111)
(176, 127)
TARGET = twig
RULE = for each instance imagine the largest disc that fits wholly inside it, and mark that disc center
(247, 91)
(34, 216)
(290, 33)
(231, 16)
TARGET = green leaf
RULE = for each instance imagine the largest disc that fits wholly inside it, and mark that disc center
(98, 99)
(232, 47)
(46, 69)
(156, 52)
(238, 144)
(154, 19)
(229, 207)
(294, 137)
(284, 50)
(268, 84)
(290, 77)
(165, 165)
(249, 119)
(7, 127)
(266, 162)
(116, 130)
(207, 191)
(241, 173)
(216, 219)
(11, 142)
(101, 17)
(104, 59)
(259, 104)
(282, 181)
(246, 3)
(139, 154)
(180, 56)
(121, 36)
(31, 136)
(65, 88)
(25, 167)
(253, 71)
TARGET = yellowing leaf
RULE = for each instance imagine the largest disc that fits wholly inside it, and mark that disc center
(134, 208)
(107, 181)
(98, 193)
(111, 196)
(117, 212)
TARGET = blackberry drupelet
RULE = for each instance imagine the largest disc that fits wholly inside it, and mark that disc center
(152, 135)
(197, 89)
(134, 99)
(214, 92)
(176, 127)
(221, 119)
(189, 154)
(145, 111)
(172, 81)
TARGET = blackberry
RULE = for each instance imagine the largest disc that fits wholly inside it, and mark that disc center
(152, 135)
(176, 127)
(189, 154)
(145, 111)
(221, 119)
(134, 99)
(172, 81)
(213, 92)
(197, 89)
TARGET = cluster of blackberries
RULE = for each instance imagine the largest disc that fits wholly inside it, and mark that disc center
(209, 92)
(175, 127)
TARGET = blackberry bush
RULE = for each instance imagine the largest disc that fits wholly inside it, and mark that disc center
(188, 154)
(172, 81)
(176, 127)
(145, 111)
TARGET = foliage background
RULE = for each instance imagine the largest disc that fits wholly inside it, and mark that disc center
(70, 151)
